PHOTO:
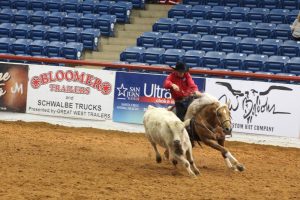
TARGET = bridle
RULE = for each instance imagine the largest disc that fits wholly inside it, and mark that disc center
(226, 120)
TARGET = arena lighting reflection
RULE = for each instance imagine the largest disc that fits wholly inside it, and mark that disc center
(149, 68)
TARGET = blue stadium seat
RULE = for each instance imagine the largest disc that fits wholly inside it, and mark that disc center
(271, 4)
(38, 32)
(122, 11)
(53, 5)
(132, 54)
(199, 12)
(72, 20)
(291, 16)
(36, 5)
(290, 4)
(203, 74)
(72, 34)
(203, 27)
(293, 66)
(88, 6)
(153, 55)
(213, 59)
(285, 81)
(229, 44)
(251, 3)
(264, 30)
(179, 11)
(90, 38)
(72, 50)
(269, 47)
(22, 16)
(258, 15)
(249, 45)
(243, 29)
(20, 46)
(37, 47)
(290, 48)
(55, 18)
(223, 28)
(193, 2)
(88, 20)
(184, 25)
(55, 33)
(263, 73)
(106, 24)
(209, 42)
(20, 4)
(7, 15)
(214, 2)
(6, 28)
(232, 3)
(276, 64)
(149, 39)
(53, 49)
(193, 58)
(70, 6)
(282, 31)
(21, 31)
(5, 44)
(5, 4)
(255, 62)
(220, 70)
(138, 4)
(172, 56)
(234, 61)
(277, 16)
(104, 7)
(218, 13)
(243, 77)
(188, 41)
(39, 17)
(169, 40)
(164, 25)
(238, 14)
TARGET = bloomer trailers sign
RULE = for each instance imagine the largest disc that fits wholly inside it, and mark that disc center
(260, 107)
(70, 92)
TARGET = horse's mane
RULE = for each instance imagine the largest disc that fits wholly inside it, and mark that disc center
(198, 104)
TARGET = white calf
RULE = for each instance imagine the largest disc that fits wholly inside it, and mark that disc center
(164, 128)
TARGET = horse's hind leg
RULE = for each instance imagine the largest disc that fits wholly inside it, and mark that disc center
(157, 155)
(189, 157)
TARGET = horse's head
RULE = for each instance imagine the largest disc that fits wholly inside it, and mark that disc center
(224, 118)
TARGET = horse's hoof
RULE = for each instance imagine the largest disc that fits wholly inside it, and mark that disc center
(240, 167)
(197, 172)
(158, 159)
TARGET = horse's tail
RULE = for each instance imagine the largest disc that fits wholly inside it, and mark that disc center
(177, 128)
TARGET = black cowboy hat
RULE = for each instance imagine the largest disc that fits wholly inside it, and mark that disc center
(180, 67)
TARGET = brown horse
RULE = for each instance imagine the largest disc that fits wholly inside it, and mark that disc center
(209, 121)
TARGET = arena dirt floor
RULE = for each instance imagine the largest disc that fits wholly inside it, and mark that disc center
(43, 161)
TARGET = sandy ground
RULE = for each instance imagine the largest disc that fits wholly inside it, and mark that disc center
(43, 161)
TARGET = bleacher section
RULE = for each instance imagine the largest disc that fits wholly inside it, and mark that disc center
(76, 24)
(249, 36)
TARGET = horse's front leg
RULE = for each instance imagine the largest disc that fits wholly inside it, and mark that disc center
(230, 160)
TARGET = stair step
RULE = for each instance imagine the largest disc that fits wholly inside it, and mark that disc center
(137, 27)
(114, 48)
(145, 21)
(119, 41)
(128, 34)
(158, 7)
(150, 14)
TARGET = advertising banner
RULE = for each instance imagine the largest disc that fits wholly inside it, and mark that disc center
(71, 92)
(260, 107)
(13, 87)
(134, 92)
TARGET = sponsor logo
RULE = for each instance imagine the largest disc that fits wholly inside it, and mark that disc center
(252, 102)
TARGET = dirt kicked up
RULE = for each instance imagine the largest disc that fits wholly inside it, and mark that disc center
(43, 161)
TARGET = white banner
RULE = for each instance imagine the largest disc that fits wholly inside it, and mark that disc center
(70, 92)
(260, 107)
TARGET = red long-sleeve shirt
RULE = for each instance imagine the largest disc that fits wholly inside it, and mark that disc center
(186, 85)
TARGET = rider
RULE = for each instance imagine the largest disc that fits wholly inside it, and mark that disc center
(182, 87)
